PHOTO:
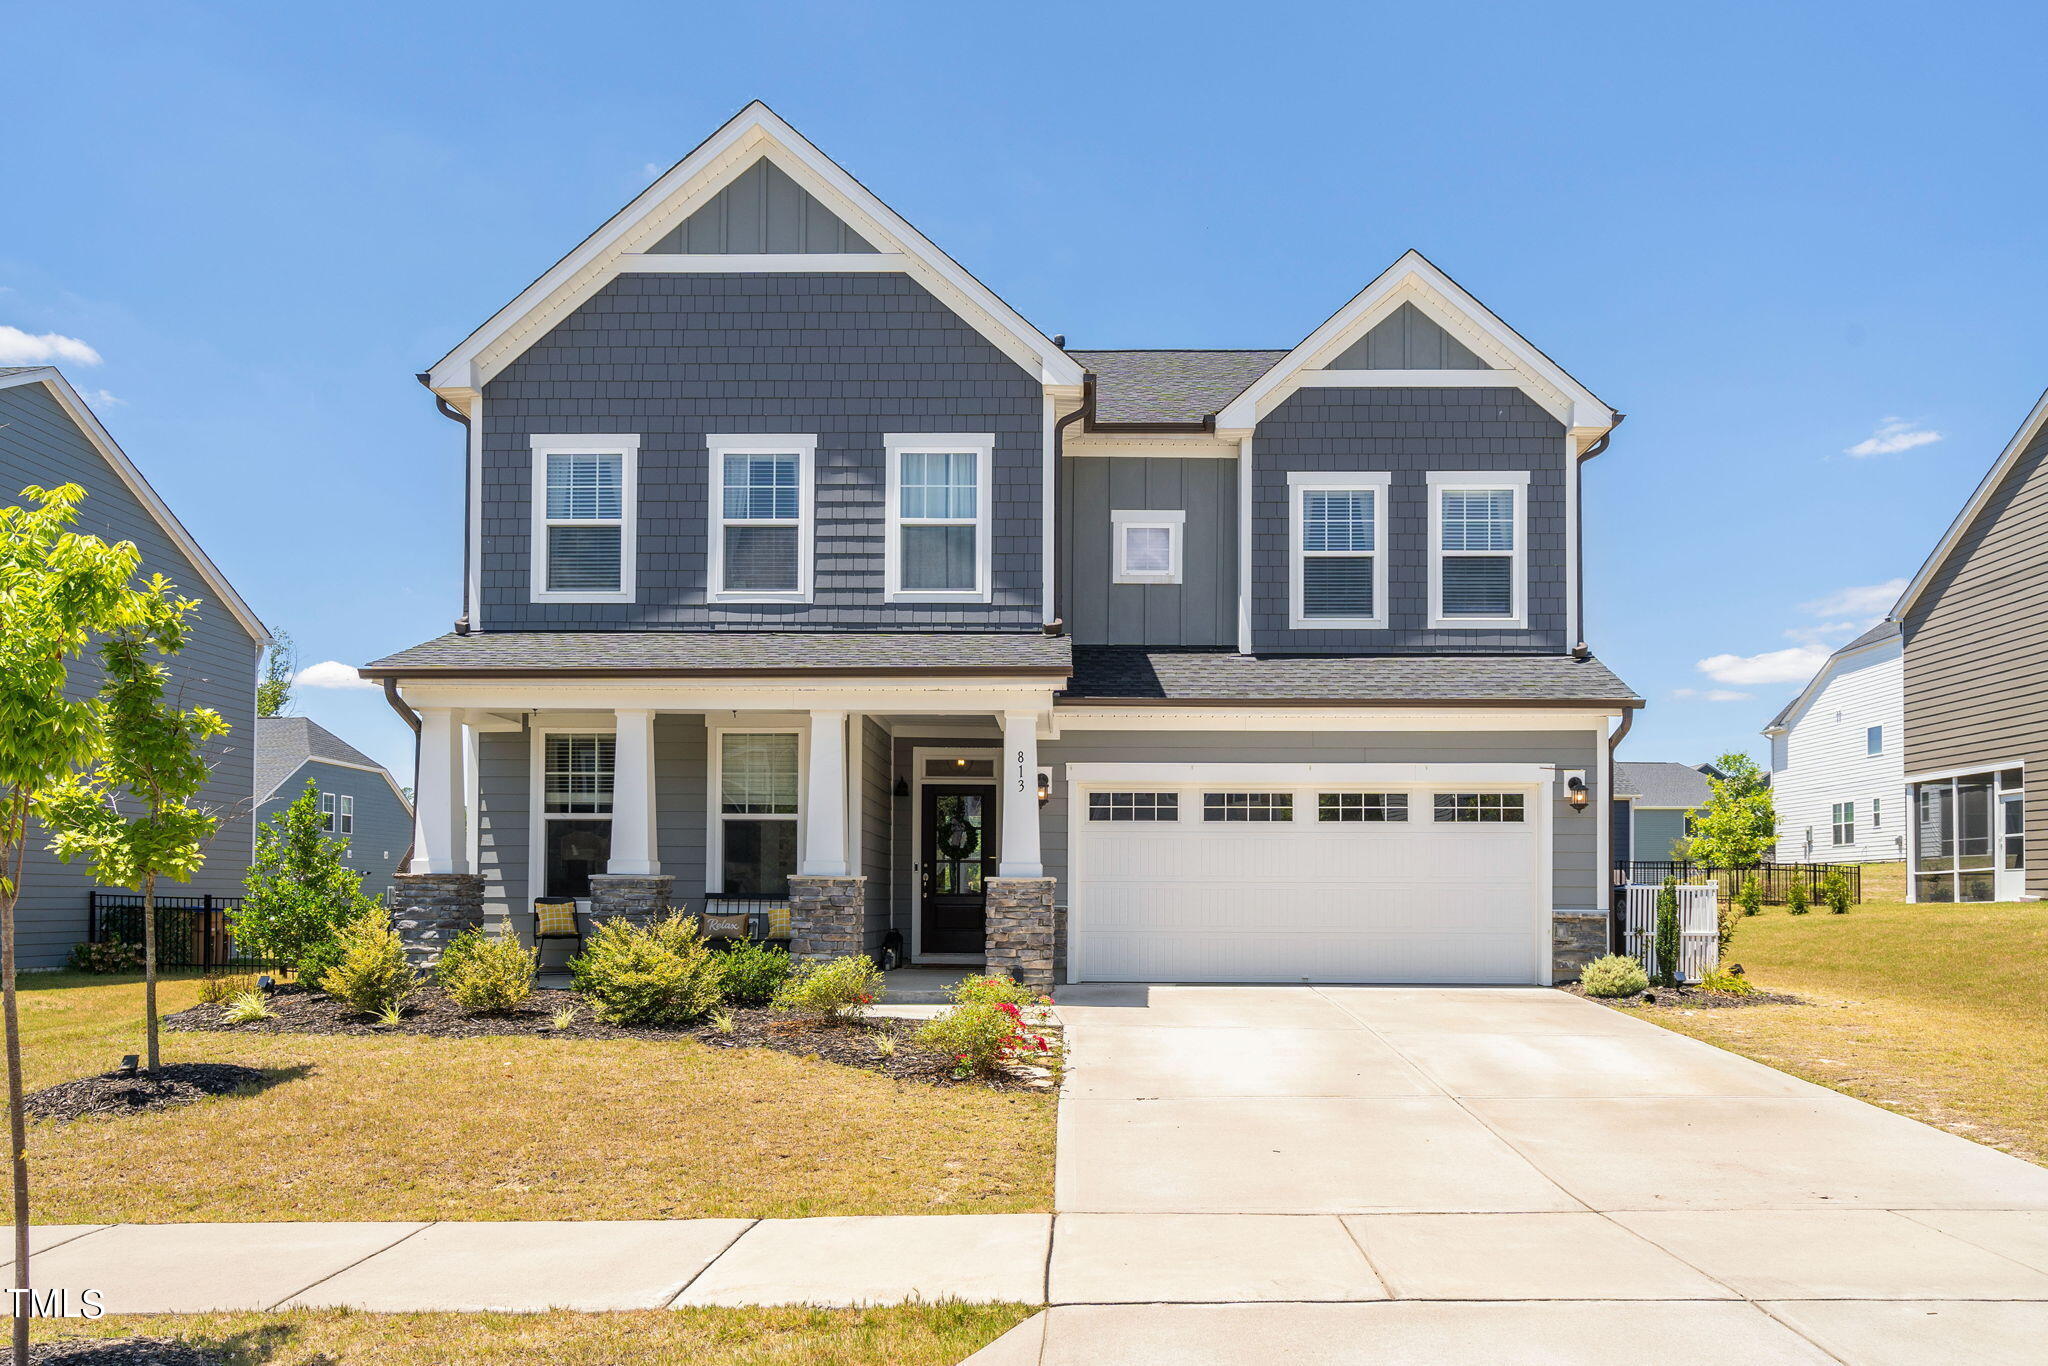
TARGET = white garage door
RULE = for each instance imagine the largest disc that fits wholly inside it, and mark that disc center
(1208, 882)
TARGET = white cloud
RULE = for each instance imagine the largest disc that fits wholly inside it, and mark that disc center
(331, 673)
(20, 348)
(1870, 600)
(1795, 665)
(100, 398)
(652, 170)
(1712, 695)
(1893, 435)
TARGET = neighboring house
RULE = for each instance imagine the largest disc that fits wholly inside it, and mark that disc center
(1651, 804)
(359, 799)
(48, 436)
(1975, 626)
(1838, 757)
(800, 565)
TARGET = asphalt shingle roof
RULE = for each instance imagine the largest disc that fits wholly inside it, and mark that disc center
(1170, 386)
(1662, 784)
(285, 742)
(729, 652)
(1110, 672)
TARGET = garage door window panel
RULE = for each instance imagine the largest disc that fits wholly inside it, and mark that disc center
(1479, 808)
(1134, 806)
(1349, 807)
(1247, 806)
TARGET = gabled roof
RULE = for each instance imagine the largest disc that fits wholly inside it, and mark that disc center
(1885, 630)
(1415, 280)
(1662, 784)
(88, 423)
(1986, 487)
(284, 743)
(1177, 388)
(755, 132)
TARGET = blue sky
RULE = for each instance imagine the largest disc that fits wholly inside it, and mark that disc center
(1772, 234)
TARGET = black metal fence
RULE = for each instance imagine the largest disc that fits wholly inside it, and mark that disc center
(191, 931)
(1772, 878)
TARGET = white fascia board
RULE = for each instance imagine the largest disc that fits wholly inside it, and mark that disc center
(1981, 495)
(1415, 279)
(1966, 771)
(753, 133)
(159, 511)
(1419, 775)
(1334, 718)
(953, 696)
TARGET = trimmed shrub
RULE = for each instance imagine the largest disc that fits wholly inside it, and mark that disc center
(459, 948)
(659, 974)
(750, 973)
(839, 989)
(114, 955)
(1834, 890)
(1751, 896)
(1667, 933)
(995, 990)
(370, 973)
(1615, 975)
(1797, 900)
(494, 974)
(979, 1036)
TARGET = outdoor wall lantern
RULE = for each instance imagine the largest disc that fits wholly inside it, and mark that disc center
(1044, 786)
(1576, 792)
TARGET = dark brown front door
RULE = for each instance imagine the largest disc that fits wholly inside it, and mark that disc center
(958, 842)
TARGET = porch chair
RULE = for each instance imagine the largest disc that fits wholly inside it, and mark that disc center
(554, 917)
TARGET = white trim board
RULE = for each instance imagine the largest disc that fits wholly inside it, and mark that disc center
(1414, 775)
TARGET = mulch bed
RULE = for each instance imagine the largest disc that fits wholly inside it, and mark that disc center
(1689, 998)
(135, 1093)
(430, 1012)
(123, 1352)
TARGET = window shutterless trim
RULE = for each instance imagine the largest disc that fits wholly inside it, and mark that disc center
(1300, 483)
(981, 445)
(714, 801)
(627, 448)
(804, 446)
(1514, 481)
(1121, 522)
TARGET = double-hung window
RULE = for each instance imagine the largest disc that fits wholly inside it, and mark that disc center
(761, 517)
(345, 815)
(1147, 545)
(1478, 533)
(1337, 531)
(577, 773)
(1844, 822)
(758, 791)
(329, 819)
(939, 501)
(584, 491)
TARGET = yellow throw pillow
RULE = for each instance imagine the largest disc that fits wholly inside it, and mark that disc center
(555, 918)
(778, 922)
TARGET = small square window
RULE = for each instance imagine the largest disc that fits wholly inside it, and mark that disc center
(1247, 806)
(1485, 807)
(1133, 806)
(1147, 546)
(1362, 806)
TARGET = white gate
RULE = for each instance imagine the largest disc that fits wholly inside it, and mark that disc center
(1699, 928)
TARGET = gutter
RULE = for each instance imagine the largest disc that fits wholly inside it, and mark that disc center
(411, 718)
(454, 414)
(1579, 647)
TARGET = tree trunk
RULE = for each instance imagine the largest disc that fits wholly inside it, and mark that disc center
(17, 1126)
(149, 963)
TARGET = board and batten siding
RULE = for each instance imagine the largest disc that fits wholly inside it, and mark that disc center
(1976, 666)
(1408, 433)
(383, 825)
(1821, 760)
(845, 357)
(1199, 610)
(40, 445)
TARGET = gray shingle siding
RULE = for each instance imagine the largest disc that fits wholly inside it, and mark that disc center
(846, 356)
(40, 445)
(1199, 610)
(383, 827)
(1410, 432)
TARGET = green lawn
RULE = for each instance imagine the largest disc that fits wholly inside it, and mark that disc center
(406, 1127)
(1936, 1011)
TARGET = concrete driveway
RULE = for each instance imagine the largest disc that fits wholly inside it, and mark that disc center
(1330, 1174)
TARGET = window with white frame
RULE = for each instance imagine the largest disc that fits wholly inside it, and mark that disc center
(939, 501)
(1247, 806)
(761, 517)
(1477, 534)
(758, 802)
(1844, 821)
(1337, 527)
(345, 815)
(1146, 546)
(1134, 806)
(1873, 740)
(576, 810)
(1486, 808)
(328, 808)
(584, 493)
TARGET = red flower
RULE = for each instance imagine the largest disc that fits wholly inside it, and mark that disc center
(1009, 1010)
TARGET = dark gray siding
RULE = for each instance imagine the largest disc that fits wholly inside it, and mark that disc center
(763, 211)
(1199, 610)
(846, 356)
(40, 445)
(504, 825)
(383, 827)
(1618, 831)
(1977, 649)
(1410, 432)
(1574, 859)
(1408, 340)
(874, 808)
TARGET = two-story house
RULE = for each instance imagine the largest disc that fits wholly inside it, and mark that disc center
(800, 564)
(1838, 767)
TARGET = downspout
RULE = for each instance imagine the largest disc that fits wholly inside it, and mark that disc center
(454, 414)
(411, 718)
(1057, 625)
(1614, 928)
(1579, 647)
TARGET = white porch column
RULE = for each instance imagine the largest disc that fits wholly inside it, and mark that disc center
(440, 837)
(633, 829)
(825, 799)
(1020, 856)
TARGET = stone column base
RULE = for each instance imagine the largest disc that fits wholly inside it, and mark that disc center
(1018, 942)
(826, 915)
(1576, 939)
(431, 909)
(641, 898)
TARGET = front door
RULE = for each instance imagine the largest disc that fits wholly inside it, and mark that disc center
(957, 838)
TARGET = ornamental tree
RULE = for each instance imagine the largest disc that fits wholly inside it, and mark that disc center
(280, 662)
(299, 894)
(1739, 823)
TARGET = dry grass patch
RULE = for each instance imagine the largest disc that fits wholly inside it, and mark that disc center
(1937, 1011)
(403, 1127)
(903, 1335)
